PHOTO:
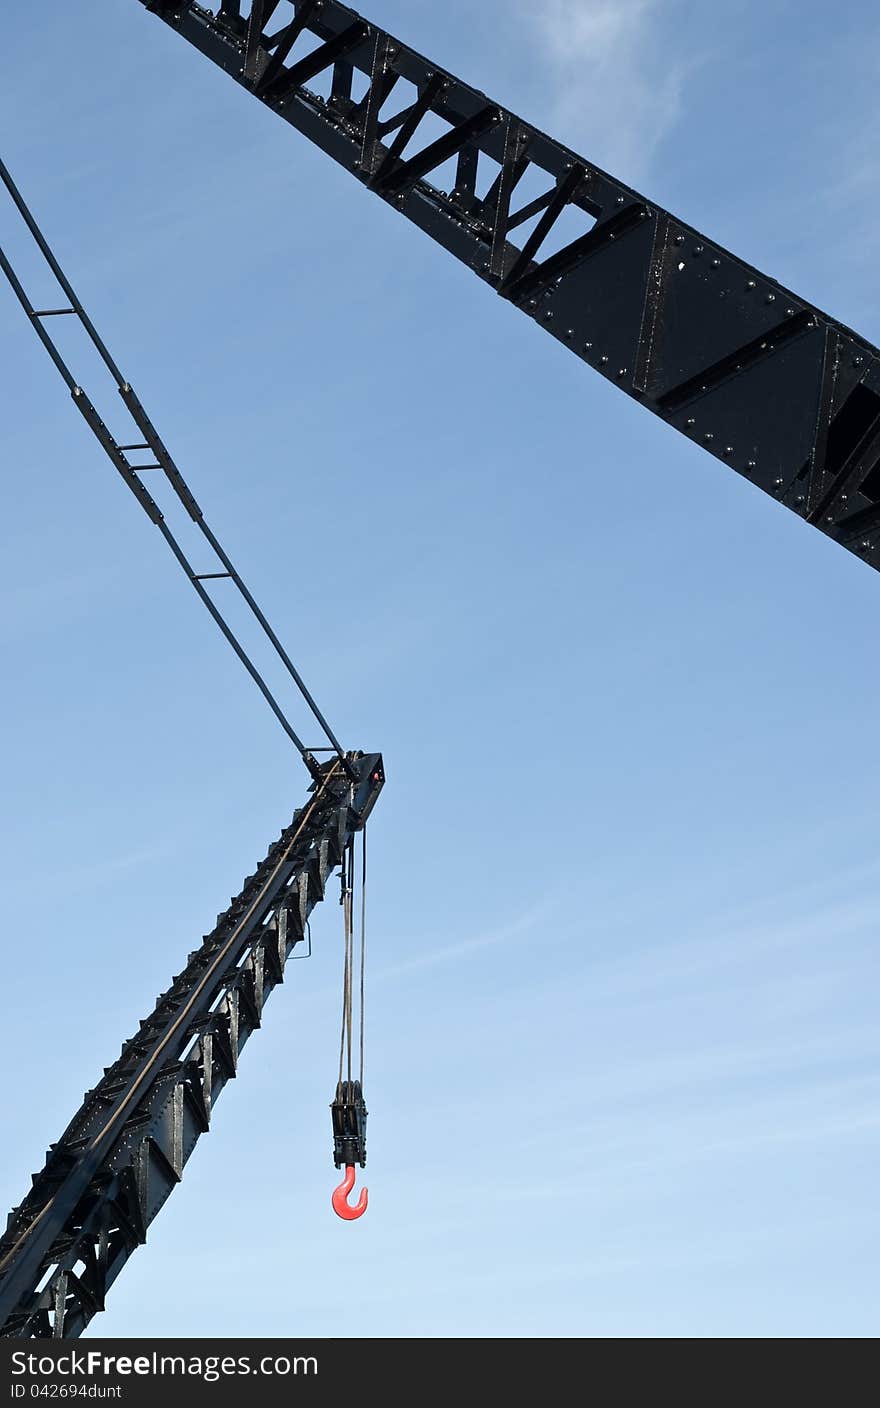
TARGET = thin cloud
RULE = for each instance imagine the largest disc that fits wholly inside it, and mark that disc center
(522, 927)
(620, 86)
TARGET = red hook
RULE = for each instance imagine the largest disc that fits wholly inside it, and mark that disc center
(341, 1206)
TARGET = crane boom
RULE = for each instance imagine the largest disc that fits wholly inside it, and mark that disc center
(124, 1151)
(776, 389)
(113, 1168)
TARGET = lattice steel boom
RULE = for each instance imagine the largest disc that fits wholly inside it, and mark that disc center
(124, 1151)
(783, 394)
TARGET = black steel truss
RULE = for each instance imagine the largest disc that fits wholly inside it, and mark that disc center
(783, 394)
(125, 1149)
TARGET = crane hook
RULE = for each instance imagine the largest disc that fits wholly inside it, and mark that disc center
(341, 1206)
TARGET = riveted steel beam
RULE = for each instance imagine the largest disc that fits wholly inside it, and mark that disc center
(777, 390)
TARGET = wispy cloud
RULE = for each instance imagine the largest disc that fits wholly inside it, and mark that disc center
(620, 86)
(89, 876)
(522, 927)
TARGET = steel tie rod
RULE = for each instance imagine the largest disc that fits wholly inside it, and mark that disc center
(165, 463)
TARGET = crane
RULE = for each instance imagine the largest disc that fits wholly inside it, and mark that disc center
(114, 1166)
(780, 392)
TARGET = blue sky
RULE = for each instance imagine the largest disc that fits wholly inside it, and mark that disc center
(622, 1038)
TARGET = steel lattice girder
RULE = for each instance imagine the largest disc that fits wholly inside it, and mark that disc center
(124, 1151)
(783, 394)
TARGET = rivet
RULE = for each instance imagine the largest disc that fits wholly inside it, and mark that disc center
(857, 361)
(800, 499)
(751, 464)
(789, 312)
(708, 436)
(588, 346)
(690, 421)
(569, 333)
(698, 249)
(728, 449)
(548, 316)
(603, 360)
(716, 263)
(620, 200)
(622, 371)
(777, 483)
(679, 239)
(771, 298)
(865, 546)
(751, 284)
